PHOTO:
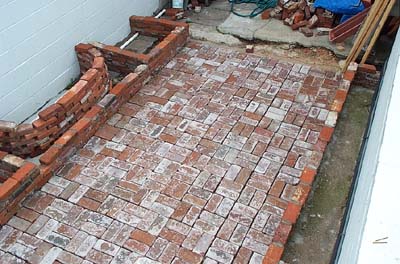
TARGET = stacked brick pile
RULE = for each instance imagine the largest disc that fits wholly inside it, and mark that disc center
(299, 15)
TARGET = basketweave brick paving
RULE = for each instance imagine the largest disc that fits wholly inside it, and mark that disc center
(199, 166)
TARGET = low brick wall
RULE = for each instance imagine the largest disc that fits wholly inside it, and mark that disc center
(30, 140)
(16, 176)
(68, 124)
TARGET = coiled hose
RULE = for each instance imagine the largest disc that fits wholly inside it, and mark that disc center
(261, 6)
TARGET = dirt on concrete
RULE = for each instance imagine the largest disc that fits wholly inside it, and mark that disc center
(204, 26)
(315, 233)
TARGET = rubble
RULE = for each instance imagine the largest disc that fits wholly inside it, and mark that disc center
(301, 15)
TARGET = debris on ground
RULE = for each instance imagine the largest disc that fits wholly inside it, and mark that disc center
(301, 15)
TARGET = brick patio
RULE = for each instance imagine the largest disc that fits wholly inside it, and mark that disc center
(210, 161)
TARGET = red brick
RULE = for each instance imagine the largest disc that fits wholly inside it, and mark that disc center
(7, 188)
(172, 236)
(291, 213)
(143, 237)
(136, 246)
(298, 17)
(27, 214)
(266, 14)
(341, 95)
(50, 155)
(66, 138)
(277, 188)
(93, 112)
(326, 133)
(89, 204)
(50, 111)
(67, 99)
(189, 256)
(2, 154)
(301, 193)
(308, 175)
(98, 63)
(282, 233)
(24, 172)
(367, 68)
(120, 89)
(81, 125)
(40, 124)
(273, 255)
(349, 75)
(107, 132)
(168, 138)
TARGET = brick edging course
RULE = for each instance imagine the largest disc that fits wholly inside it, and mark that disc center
(302, 190)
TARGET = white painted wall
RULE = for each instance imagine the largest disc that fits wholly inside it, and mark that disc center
(37, 39)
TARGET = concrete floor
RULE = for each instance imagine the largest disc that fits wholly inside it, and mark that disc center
(215, 23)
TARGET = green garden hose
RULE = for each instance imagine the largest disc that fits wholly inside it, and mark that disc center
(261, 6)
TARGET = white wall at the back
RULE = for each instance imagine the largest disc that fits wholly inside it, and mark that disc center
(37, 39)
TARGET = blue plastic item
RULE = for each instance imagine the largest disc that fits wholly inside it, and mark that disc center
(347, 8)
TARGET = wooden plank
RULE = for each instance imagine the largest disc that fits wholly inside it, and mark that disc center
(364, 34)
(378, 30)
(366, 30)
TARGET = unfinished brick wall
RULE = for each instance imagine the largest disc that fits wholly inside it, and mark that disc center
(66, 126)
(30, 140)
(171, 35)
(117, 60)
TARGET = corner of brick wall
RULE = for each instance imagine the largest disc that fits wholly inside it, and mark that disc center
(81, 131)
(14, 189)
(301, 191)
